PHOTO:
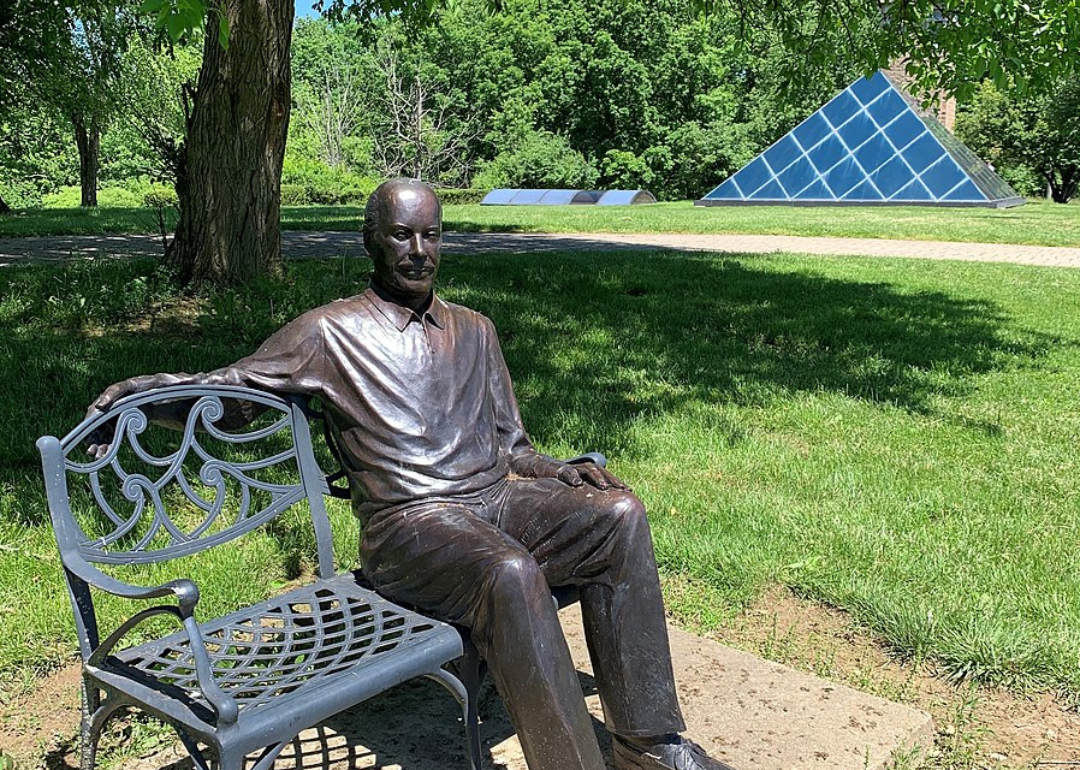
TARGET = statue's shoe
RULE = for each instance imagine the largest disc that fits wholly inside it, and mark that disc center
(684, 755)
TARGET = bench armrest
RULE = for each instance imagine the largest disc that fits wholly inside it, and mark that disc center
(187, 595)
(185, 591)
(589, 457)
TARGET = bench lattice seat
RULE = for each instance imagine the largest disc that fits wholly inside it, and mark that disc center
(297, 644)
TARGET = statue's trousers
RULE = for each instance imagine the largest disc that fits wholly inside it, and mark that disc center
(487, 562)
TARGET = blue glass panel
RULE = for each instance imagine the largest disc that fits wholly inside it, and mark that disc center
(923, 152)
(498, 197)
(841, 108)
(875, 152)
(753, 176)
(727, 190)
(966, 192)
(797, 176)
(527, 197)
(587, 196)
(892, 176)
(617, 198)
(845, 175)
(816, 192)
(885, 109)
(770, 192)
(558, 197)
(913, 192)
(942, 177)
(857, 130)
(868, 89)
(864, 192)
(783, 153)
(905, 128)
(827, 154)
(812, 130)
(992, 185)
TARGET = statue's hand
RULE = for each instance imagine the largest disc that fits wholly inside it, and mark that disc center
(99, 441)
(576, 474)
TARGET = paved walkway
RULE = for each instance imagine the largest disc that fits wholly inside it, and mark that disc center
(303, 244)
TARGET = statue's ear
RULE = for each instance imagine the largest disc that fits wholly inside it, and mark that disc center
(369, 243)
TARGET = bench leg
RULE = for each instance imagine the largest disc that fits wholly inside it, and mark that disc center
(94, 716)
(228, 760)
(466, 698)
(472, 676)
(88, 736)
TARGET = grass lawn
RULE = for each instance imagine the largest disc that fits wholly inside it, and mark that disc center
(893, 437)
(1038, 223)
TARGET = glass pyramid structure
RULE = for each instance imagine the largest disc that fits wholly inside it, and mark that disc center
(869, 145)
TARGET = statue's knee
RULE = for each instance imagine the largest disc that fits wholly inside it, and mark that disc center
(518, 575)
(628, 511)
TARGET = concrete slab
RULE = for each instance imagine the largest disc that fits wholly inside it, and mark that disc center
(756, 714)
(752, 713)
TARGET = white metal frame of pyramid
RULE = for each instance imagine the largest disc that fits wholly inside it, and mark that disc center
(869, 145)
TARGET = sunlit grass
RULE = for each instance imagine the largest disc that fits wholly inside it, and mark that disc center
(1037, 223)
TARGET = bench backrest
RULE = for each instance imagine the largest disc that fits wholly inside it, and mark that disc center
(160, 493)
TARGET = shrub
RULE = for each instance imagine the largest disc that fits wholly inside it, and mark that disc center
(540, 159)
(159, 196)
(20, 194)
(307, 182)
(111, 197)
(293, 195)
(453, 196)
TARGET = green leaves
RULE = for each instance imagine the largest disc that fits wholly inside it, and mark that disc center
(1032, 137)
(952, 44)
(179, 19)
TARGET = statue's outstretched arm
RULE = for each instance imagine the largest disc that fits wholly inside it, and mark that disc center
(288, 362)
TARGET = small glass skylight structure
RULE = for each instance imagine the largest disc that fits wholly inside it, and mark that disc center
(558, 197)
(528, 197)
(500, 197)
(867, 146)
(587, 196)
(626, 198)
(524, 197)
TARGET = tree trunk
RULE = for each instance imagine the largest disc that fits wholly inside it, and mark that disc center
(4, 208)
(88, 140)
(229, 181)
(1063, 184)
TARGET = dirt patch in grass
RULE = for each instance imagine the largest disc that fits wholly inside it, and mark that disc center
(41, 727)
(977, 727)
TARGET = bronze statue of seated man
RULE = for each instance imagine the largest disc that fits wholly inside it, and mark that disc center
(461, 516)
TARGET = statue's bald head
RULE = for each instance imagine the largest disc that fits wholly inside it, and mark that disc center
(388, 194)
(403, 236)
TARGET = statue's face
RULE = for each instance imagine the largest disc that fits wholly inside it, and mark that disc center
(405, 244)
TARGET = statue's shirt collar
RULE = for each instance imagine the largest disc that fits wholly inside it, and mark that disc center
(401, 316)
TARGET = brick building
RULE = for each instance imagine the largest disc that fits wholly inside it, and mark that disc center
(942, 109)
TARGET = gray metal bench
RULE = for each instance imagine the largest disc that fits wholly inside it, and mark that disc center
(249, 682)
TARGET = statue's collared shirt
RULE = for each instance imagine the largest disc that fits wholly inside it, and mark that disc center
(422, 405)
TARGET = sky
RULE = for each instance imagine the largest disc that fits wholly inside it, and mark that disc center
(303, 9)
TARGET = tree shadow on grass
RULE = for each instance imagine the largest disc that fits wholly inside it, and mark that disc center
(596, 341)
